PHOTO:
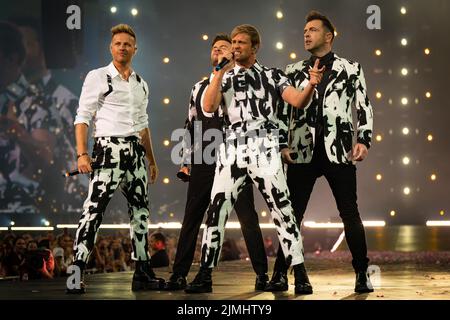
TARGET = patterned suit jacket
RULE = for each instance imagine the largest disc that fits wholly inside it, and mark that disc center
(346, 88)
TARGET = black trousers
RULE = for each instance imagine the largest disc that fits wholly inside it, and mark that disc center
(342, 180)
(198, 198)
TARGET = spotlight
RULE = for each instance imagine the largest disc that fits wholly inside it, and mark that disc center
(279, 45)
(379, 177)
(378, 52)
(378, 95)
(166, 60)
(279, 14)
(392, 213)
(427, 51)
(134, 11)
(404, 101)
(404, 72)
(403, 10)
(379, 137)
(205, 37)
(263, 213)
(428, 94)
(166, 100)
(405, 131)
(12, 223)
(406, 190)
(430, 137)
(442, 212)
(433, 177)
(166, 143)
(404, 42)
(171, 214)
(113, 9)
(406, 161)
(166, 180)
(293, 55)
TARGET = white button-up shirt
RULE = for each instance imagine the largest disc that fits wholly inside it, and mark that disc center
(119, 107)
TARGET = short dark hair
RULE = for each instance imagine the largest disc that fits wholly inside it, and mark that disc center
(11, 41)
(315, 15)
(220, 37)
(158, 236)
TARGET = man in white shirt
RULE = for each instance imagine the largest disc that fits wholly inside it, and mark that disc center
(116, 97)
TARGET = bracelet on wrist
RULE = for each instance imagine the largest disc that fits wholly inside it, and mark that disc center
(82, 154)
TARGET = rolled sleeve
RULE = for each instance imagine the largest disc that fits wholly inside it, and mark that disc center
(89, 99)
(281, 81)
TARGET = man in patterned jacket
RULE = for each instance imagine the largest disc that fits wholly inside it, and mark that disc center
(251, 96)
(201, 181)
(321, 138)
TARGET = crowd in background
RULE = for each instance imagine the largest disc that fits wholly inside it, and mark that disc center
(27, 257)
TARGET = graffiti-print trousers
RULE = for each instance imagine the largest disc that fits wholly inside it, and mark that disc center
(121, 163)
(232, 174)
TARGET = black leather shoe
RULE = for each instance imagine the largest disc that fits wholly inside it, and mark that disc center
(202, 282)
(145, 279)
(261, 282)
(82, 288)
(302, 284)
(362, 283)
(176, 282)
(279, 282)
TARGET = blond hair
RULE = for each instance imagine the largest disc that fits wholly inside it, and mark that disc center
(251, 31)
(122, 28)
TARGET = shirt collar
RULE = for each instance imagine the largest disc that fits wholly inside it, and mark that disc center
(325, 60)
(256, 67)
(113, 72)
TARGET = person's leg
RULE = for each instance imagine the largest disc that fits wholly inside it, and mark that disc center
(342, 180)
(102, 185)
(248, 218)
(135, 189)
(228, 183)
(198, 197)
(300, 180)
(267, 175)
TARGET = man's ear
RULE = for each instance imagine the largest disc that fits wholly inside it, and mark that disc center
(329, 36)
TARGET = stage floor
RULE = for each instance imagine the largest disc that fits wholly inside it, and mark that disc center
(331, 280)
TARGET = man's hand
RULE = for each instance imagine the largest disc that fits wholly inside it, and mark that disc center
(152, 173)
(84, 164)
(184, 174)
(360, 152)
(286, 155)
(224, 53)
(316, 74)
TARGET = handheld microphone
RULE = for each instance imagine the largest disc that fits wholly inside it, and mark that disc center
(183, 174)
(75, 172)
(222, 64)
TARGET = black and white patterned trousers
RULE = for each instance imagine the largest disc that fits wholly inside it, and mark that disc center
(267, 175)
(122, 164)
